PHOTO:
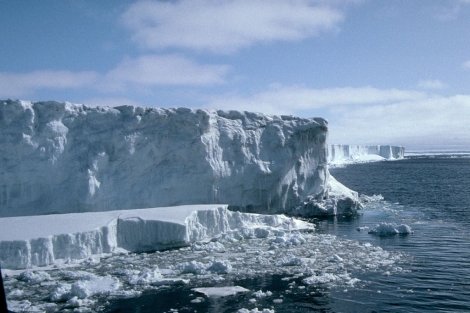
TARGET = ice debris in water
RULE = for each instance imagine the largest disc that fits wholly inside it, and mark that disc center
(389, 229)
(84, 288)
(146, 276)
(260, 294)
(255, 310)
(306, 257)
(34, 277)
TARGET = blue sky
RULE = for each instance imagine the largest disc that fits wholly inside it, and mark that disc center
(381, 72)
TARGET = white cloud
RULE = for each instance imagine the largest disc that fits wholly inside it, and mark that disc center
(21, 84)
(295, 99)
(466, 65)
(431, 84)
(152, 70)
(225, 26)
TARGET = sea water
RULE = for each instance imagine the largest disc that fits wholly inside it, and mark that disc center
(430, 193)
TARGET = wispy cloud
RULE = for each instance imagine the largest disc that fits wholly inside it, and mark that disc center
(225, 26)
(296, 99)
(466, 65)
(23, 84)
(431, 84)
(153, 70)
(132, 73)
(449, 10)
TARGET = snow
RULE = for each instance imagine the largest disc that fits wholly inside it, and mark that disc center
(80, 235)
(346, 154)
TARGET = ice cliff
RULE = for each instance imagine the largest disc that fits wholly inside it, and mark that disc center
(59, 157)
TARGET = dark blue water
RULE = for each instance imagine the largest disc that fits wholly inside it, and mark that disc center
(430, 194)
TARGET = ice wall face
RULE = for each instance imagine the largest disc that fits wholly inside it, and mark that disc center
(62, 158)
(339, 153)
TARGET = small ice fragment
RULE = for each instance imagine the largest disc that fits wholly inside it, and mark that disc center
(197, 300)
(390, 229)
(102, 285)
(73, 303)
(61, 293)
(15, 293)
(260, 294)
(146, 276)
(319, 279)
(220, 267)
(221, 291)
(34, 277)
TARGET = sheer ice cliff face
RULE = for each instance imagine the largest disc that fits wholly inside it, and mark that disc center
(62, 158)
(351, 153)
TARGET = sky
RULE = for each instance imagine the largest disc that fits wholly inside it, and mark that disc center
(381, 72)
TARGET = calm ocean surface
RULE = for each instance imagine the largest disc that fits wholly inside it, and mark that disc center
(429, 193)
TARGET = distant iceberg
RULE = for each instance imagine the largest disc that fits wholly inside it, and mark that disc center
(346, 154)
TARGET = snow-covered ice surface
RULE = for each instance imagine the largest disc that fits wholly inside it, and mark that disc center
(340, 155)
(47, 239)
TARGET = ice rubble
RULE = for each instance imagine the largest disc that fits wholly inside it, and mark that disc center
(59, 157)
(346, 154)
(48, 238)
(308, 259)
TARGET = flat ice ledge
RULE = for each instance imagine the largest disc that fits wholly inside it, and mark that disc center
(41, 240)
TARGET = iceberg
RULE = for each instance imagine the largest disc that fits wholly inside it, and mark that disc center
(67, 237)
(346, 154)
(59, 157)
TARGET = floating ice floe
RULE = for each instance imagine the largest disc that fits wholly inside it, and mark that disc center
(221, 291)
(255, 310)
(389, 229)
(48, 239)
